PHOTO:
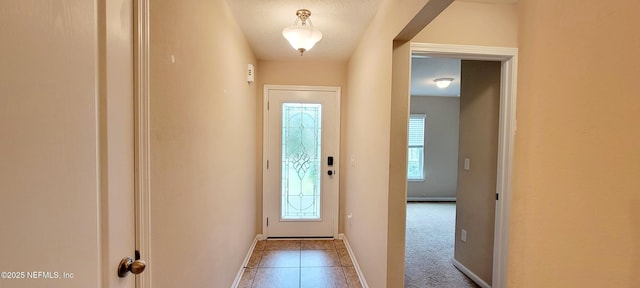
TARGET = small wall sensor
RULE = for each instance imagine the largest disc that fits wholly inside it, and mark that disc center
(251, 74)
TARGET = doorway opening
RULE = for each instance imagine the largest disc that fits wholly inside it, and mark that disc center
(444, 239)
(506, 59)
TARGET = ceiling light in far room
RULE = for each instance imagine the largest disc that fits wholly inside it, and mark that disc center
(443, 82)
(302, 36)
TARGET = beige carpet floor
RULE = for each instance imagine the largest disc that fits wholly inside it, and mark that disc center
(429, 249)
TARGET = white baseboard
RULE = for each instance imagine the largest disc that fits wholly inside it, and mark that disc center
(470, 274)
(236, 282)
(432, 199)
(354, 260)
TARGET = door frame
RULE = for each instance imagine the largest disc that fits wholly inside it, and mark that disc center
(142, 130)
(265, 147)
(507, 128)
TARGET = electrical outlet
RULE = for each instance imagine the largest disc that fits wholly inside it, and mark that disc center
(463, 236)
(350, 218)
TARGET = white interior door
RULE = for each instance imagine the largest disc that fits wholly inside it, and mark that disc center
(66, 120)
(301, 172)
(117, 161)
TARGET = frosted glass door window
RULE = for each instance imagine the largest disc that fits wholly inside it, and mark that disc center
(301, 161)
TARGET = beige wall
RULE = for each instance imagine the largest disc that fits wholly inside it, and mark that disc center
(441, 147)
(203, 145)
(307, 73)
(398, 134)
(368, 141)
(304, 73)
(575, 217)
(473, 23)
(476, 197)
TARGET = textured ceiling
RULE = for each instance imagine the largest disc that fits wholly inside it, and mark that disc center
(341, 22)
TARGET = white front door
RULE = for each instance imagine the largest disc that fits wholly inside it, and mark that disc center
(301, 152)
(66, 120)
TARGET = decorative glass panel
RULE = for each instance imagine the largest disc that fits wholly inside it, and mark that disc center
(301, 160)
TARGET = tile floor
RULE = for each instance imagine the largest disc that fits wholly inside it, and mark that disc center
(300, 264)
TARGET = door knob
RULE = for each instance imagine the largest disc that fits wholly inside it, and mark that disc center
(129, 265)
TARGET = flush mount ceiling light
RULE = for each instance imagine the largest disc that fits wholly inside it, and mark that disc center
(443, 82)
(302, 36)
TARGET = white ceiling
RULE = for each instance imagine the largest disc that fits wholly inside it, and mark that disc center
(342, 23)
(424, 70)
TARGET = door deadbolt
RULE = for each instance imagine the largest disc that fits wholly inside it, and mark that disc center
(129, 265)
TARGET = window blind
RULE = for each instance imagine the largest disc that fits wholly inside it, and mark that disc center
(416, 130)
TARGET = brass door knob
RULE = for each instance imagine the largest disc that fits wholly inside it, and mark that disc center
(129, 265)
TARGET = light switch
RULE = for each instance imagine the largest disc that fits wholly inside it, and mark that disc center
(467, 164)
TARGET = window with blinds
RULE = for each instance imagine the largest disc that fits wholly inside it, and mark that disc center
(415, 161)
